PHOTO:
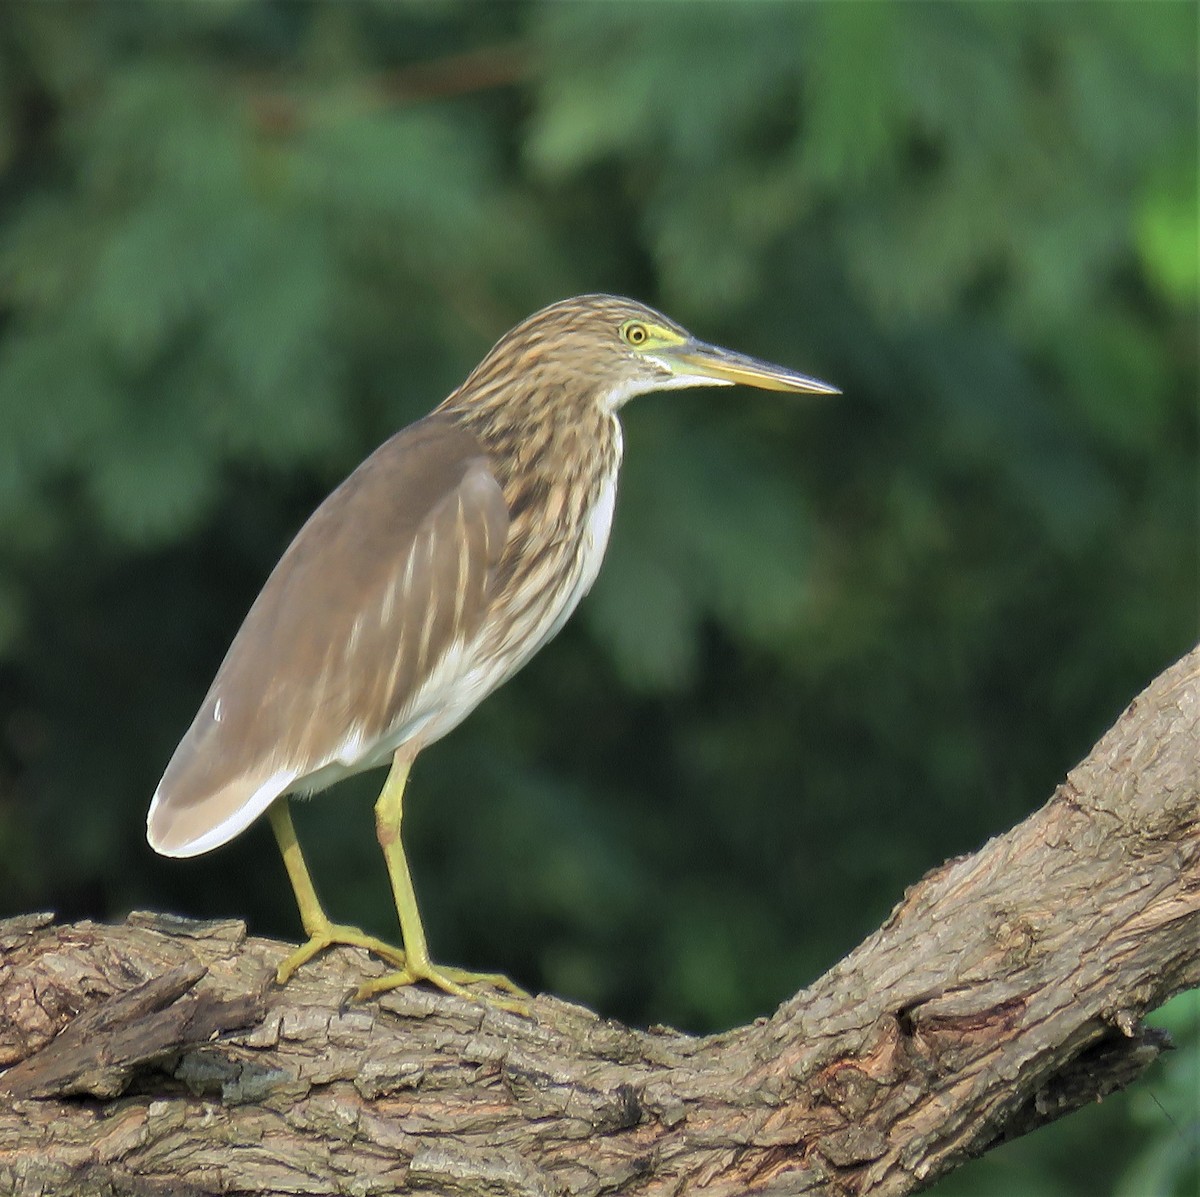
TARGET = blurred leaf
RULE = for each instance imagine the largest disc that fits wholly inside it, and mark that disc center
(852, 114)
(1168, 229)
(149, 482)
(12, 613)
(1166, 1108)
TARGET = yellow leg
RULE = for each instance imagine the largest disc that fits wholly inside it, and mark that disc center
(389, 811)
(321, 932)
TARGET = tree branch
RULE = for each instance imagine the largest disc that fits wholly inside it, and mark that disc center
(1005, 990)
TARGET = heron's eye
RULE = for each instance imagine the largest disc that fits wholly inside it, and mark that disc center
(635, 334)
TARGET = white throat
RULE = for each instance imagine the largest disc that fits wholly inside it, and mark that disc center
(618, 396)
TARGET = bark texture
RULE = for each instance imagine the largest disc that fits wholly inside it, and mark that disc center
(1005, 990)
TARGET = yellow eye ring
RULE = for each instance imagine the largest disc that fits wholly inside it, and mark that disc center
(635, 333)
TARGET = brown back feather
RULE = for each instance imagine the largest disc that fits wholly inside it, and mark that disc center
(343, 633)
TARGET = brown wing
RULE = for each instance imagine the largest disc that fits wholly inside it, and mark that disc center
(390, 572)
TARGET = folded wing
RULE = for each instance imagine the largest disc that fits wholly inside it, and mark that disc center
(387, 581)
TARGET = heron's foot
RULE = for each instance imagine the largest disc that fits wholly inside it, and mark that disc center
(452, 980)
(327, 935)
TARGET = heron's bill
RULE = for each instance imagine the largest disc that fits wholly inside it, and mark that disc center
(722, 365)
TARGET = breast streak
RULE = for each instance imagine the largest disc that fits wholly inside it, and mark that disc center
(522, 619)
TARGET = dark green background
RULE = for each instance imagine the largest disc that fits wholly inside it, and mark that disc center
(834, 641)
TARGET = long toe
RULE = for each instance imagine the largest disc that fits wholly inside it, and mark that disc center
(331, 935)
(449, 980)
(494, 980)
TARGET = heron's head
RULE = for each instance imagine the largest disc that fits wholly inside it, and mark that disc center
(602, 350)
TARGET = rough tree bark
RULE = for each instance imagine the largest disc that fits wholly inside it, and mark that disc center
(1005, 990)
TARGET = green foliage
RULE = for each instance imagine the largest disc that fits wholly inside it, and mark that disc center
(1167, 1112)
(834, 641)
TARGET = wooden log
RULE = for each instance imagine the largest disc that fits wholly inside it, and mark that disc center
(1006, 989)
